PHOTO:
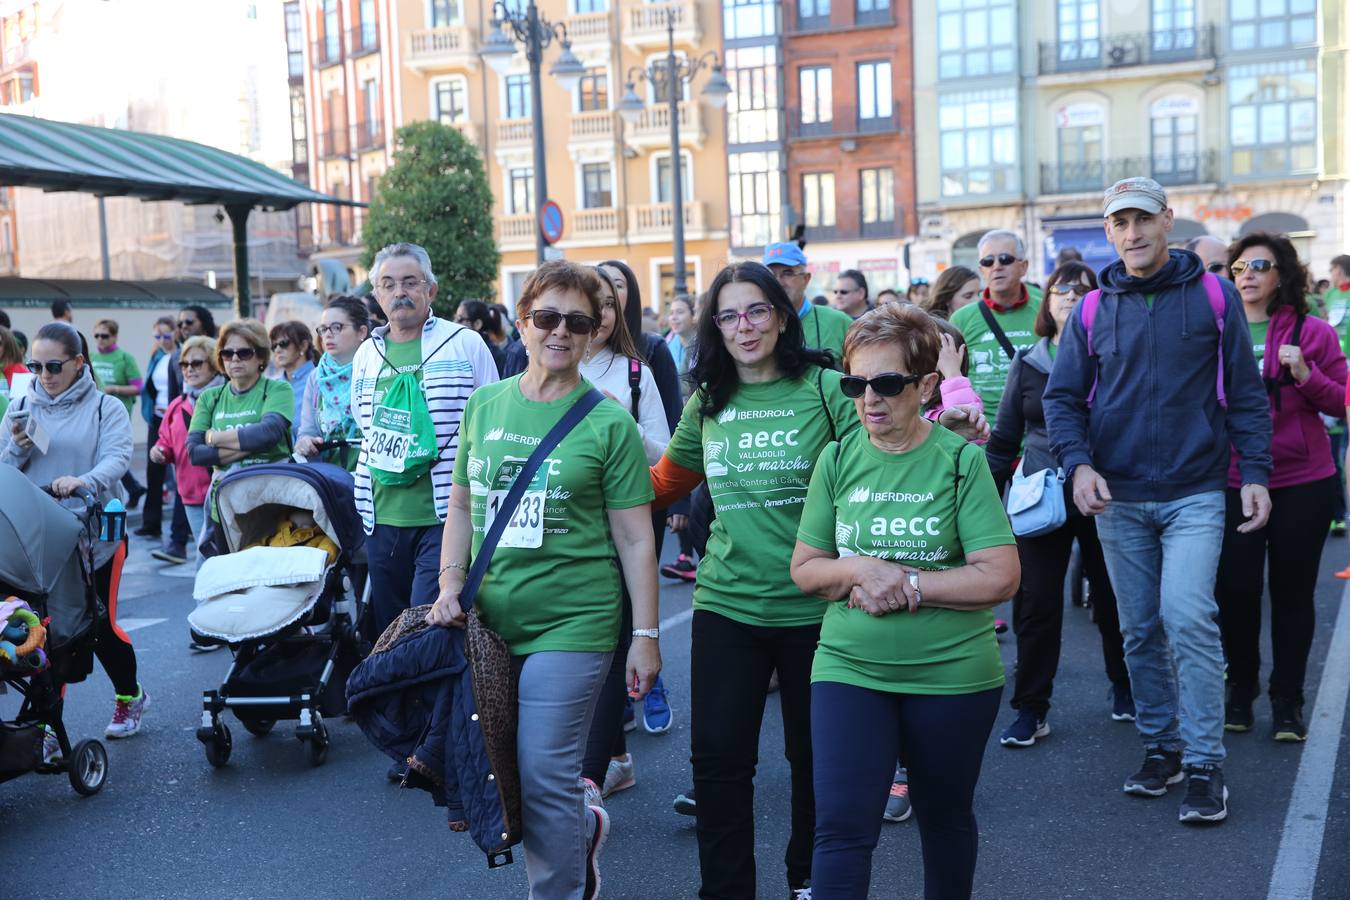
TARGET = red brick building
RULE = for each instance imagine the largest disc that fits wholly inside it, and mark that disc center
(850, 128)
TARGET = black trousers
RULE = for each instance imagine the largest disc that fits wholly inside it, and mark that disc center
(1038, 610)
(112, 646)
(1293, 541)
(152, 513)
(730, 664)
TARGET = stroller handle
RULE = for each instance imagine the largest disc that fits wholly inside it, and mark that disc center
(82, 494)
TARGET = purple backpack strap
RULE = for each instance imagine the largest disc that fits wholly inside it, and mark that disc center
(1087, 314)
(1217, 305)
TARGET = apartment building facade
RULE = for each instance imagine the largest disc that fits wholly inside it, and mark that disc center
(850, 131)
(1237, 107)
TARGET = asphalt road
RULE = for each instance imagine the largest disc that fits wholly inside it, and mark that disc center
(1054, 822)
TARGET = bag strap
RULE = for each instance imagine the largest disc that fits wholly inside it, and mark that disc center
(997, 329)
(584, 404)
(635, 384)
(820, 389)
(1217, 305)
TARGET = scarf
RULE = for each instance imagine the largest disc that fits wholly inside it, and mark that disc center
(333, 392)
(193, 393)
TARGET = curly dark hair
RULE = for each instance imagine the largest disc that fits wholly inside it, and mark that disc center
(1069, 271)
(715, 370)
(1293, 276)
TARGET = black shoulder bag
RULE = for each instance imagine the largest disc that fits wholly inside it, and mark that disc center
(997, 329)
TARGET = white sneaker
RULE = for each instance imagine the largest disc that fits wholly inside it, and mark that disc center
(590, 793)
(619, 776)
(598, 835)
(126, 720)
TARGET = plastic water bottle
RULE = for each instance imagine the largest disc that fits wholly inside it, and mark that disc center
(114, 521)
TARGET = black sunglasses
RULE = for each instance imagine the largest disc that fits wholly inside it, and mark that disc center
(243, 354)
(1215, 268)
(52, 366)
(192, 364)
(102, 337)
(548, 319)
(280, 345)
(186, 323)
(1003, 259)
(887, 384)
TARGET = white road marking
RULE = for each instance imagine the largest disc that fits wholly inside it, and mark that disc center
(134, 624)
(1295, 872)
(678, 619)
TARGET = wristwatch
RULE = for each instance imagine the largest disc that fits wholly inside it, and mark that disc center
(914, 583)
(653, 633)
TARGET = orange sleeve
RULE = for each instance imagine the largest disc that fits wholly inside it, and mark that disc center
(672, 482)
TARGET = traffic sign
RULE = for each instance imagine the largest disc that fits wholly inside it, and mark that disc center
(551, 221)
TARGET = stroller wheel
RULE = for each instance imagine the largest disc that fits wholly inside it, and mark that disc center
(88, 767)
(219, 747)
(259, 727)
(316, 746)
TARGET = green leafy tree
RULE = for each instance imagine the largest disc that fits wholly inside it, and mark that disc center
(436, 194)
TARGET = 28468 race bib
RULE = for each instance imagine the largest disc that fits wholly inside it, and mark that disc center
(391, 437)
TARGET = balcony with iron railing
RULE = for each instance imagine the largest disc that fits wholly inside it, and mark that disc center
(646, 24)
(514, 133)
(1092, 177)
(327, 51)
(369, 135)
(843, 122)
(449, 47)
(652, 129)
(657, 221)
(1117, 51)
(363, 40)
(335, 144)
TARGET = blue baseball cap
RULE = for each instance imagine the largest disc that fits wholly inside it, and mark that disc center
(784, 253)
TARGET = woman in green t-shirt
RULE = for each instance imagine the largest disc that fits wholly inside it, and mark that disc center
(245, 421)
(904, 533)
(552, 589)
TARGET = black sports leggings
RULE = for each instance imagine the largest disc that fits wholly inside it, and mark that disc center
(855, 733)
(113, 647)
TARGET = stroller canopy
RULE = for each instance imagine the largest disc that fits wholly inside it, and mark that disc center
(244, 496)
(39, 538)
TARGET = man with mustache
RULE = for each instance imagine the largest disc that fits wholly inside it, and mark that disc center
(403, 498)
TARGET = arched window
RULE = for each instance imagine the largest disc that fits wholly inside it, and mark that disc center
(1184, 230)
(1174, 123)
(1276, 223)
(966, 249)
(1080, 128)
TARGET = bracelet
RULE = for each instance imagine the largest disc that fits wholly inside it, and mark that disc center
(914, 584)
(452, 565)
(653, 633)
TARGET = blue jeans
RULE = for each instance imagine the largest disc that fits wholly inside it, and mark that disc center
(403, 563)
(1163, 557)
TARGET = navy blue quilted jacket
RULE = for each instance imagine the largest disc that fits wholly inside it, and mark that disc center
(415, 699)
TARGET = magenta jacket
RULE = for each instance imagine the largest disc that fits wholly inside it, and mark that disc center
(173, 431)
(1300, 447)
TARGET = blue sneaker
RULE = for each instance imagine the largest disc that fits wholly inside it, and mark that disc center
(1025, 730)
(629, 716)
(656, 714)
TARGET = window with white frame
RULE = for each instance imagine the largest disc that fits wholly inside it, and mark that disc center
(517, 88)
(978, 142)
(597, 190)
(446, 13)
(753, 107)
(875, 104)
(520, 191)
(755, 198)
(450, 100)
(813, 13)
(1272, 118)
(1267, 24)
(818, 200)
(816, 90)
(749, 18)
(663, 190)
(976, 38)
(877, 192)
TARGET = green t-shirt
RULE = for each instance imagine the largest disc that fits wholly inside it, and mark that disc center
(116, 368)
(909, 507)
(1336, 302)
(553, 583)
(408, 505)
(757, 455)
(1258, 331)
(989, 365)
(221, 409)
(824, 327)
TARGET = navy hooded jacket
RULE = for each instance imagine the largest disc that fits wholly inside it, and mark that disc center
(1155, 429)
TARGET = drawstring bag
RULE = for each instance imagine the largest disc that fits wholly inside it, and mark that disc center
(401, 444)
(1036, 502)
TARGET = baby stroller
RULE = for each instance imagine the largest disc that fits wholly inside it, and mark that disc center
(46, 566)
(289, 614)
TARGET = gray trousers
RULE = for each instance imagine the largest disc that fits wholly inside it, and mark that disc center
(558, 693)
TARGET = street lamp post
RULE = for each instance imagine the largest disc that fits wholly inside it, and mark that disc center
(668, 79)
(536, 33)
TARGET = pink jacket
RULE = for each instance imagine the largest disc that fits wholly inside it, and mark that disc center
(955, 392)
(192, 480)
(1300, 448)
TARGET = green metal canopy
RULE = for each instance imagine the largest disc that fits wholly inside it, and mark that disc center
(109, 162)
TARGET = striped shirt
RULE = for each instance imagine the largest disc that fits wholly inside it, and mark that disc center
(460, 363)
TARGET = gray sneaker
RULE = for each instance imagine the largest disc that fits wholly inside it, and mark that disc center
(897, 804)
(1161, 768)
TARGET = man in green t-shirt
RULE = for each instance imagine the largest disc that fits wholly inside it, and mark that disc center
(1336, 307)
(1003, 322)
(403, 512)
(117, 372)
(823, 327)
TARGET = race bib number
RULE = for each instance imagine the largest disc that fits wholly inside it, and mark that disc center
(525, 530)
(391, 437)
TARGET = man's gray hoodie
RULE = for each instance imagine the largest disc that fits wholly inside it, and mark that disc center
(90, 437)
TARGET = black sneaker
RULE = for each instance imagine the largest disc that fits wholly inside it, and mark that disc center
(145, 531)
(682, 569)
(1161, 768)
(1288, 716)
(1122, 703)
(685, 804)
(1206, 797)
(1237, 716)
(174, 554)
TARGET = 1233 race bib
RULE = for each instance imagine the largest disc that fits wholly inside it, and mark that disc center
(526, 527)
